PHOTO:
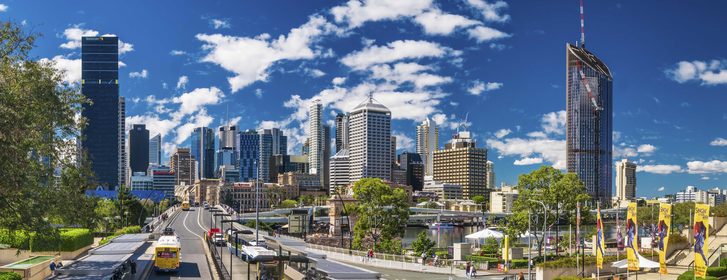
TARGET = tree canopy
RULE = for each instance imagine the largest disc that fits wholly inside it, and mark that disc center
(382, 211)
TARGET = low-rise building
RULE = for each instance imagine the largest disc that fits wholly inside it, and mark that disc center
(444, 190)
(501, 201)
(164, 179)
(141, 182)
(200, 190)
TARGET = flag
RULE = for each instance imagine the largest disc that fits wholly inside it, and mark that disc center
(632, 245)
(701, 233)
(600, 244)
(662, 231)
(506, 254)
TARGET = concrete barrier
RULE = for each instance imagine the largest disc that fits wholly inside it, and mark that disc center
(13, 255)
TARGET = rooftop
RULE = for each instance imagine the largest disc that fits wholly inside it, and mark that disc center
(589, 59)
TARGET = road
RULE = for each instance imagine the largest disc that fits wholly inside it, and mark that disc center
(239, 267)
(188, 226)
(394, 274)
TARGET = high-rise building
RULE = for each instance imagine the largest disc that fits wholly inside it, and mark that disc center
(315, 133)
(427, 143)
(341, 131)
(155, 150)
(625, 180)
(164, 179)
(203, 150)
(412, 164)
(340, 172)
(228, 147)
(182, 163)
(272, 142)
(462, 163)
(288, 163)
(123, 162)
(138, 148)
(370, 141)
(326, 158)
(490, 169)
(392, 155)
(249, 155)
(589, 121)
(102, 135)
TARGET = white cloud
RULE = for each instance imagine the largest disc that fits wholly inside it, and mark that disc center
(316, 73)
(403, 73)
(439, 119)
(491, 12)
(502, 132)
(549, 150)
(718, 142)
(660, 189)
(554, 122)
(707, 72)
(403, 142)
(259, 93)
(337, 81)
(193, 101)
(435, 22)
(182, 82)
(646, 148)
(220, 23)
(528, 161)
(478, 87)
(3, 7)
(659, 168)
(704, 167)
(153, 123)
(394, 51)
(177, 52)
(485, 34)
(355, 13)
(185, 130)
(705, 178)
(249, 58)
(71, 68)
(143, 74)
(75, 33)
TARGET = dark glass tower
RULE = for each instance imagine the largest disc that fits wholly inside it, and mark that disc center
(249, 155)
(203, 149)
(138, 148)
(414, 167)
(589, 122)
(100, 84)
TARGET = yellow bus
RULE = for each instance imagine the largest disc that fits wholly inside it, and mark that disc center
(167, 254)
(185, 206)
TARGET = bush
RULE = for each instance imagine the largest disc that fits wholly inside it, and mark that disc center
(717, 271)
(570, 278)
(128, 230)
(689, 275)
(10, 276)
(70, 239)
(723, 263)
(676, 238)
(518, 263)
(571, 261)
(481, 259)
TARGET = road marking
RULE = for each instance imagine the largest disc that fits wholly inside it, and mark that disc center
(185, 226)
(198, 223)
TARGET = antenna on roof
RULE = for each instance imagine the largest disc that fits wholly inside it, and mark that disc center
(583, 29)
(227, 114)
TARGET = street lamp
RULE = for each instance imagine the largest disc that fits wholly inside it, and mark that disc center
(545, 224)
(222, 228)
(213, 211)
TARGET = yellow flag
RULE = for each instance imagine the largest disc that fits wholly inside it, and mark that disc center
(701, 233)
(632, 237)
(600, 241)
(662, 233)
(506, 254)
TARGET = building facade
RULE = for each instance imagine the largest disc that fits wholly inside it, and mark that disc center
(501, 200)
(203, 150)
(139, 148)
(141, 182)
(123, 162)
(462, 163)
(341, 131)
(490, 169)
(444, 190)
(227, 151)
(427, 143)
(315, 138)
(163, 179)
(100, 85)
(589, 121)
(413, 165)
(249, 155)
(340, 173)
(182, 163)
(272, 142)
(369, 141)
(155, 150)
(625, 180)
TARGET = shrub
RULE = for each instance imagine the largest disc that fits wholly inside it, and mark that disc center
(128, 230)
(689, 275)
(571, 261)
(10, 276)
(676, 238)
(70, 239)
(717, 271)
(570, 278)
(723, 263)
(518, 263)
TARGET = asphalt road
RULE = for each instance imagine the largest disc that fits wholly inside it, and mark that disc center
(194, 262)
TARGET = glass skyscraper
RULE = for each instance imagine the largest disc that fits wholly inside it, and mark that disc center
(155, 150)
(203, 150)
(100, 84)
(589, 124)
(138, 148)
(272, 142)
(249, 155)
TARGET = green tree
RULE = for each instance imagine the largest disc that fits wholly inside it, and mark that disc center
(38, 128)
(306, 199)
(479, 199)
(681, 214)
(559, 193)
(106, 210)
(288, 203)
(382, 211)
(423, 244)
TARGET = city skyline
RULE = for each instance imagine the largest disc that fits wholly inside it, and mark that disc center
(463, 72)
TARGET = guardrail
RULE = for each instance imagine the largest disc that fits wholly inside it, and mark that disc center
(217, 258)
(403, 262)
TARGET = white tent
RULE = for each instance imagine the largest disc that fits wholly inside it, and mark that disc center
(643, 263)
(480, 236)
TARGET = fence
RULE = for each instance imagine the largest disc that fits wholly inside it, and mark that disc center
(217, 258)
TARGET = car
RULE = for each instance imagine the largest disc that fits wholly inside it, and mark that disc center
(258, 243)
(219, 239)
(206, 206)
(168, 231)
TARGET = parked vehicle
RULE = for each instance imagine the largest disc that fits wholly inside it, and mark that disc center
(219, 239)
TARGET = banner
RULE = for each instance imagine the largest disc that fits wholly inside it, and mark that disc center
(662, 234)
(701, 233)
(600, 244)
(506, 254)
(632, 246)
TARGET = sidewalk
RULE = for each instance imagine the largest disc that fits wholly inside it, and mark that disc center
(145, 261)
(390, 264)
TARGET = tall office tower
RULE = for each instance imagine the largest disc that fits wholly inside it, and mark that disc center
(228, 148)
(341, 131)
(182, 162)
(412, 164)
(589, 121)
(392, 155)
(490, 169)
(462, 163)
(203, 150)
(340, 172)
(138, 148)
(100, 85)
(123, 163)
(272, 142)
(370, 141)
(305, 149)
(326, 158)
(315, 139)
(249, 155)
(163, 179)
(155, 150)
(427, 143)
(625, 180)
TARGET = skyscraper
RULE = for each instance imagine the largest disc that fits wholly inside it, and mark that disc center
(341, 130)
(490, 169)
(203, 150)
(315, 138)
(182, 163)
(589, 121)
(138, 148)
(427, 143)
(123, 161)
(249, 155)
(326, 158)
(155, 150)
(462, 163)
(340, 171)
(370, 141)
(272, 142)
(100, 85)
(412, 164)
(625, 180)
(228, 148)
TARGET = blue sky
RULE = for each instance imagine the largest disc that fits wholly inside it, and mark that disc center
(500, 63)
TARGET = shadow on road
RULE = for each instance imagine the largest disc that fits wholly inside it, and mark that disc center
(186, 270)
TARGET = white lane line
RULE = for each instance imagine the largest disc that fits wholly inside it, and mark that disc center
(198, 223)
(185, 226)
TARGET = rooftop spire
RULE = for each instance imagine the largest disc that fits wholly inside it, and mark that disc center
(583, 29)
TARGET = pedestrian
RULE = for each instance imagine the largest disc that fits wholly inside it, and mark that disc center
(133, 267)
(436, 260)
(521, 276)
(53, 268)
(467, 270)
(424, 258)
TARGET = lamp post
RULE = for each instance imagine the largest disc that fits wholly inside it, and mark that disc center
(545, 224)
(222, 227)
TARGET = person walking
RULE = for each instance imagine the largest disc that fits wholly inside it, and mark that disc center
(467, 270)
(424, 258)
(521, 276)
(53, 267)
(133, 267)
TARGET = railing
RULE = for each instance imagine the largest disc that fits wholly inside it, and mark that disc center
(217, 258)
(404, 262)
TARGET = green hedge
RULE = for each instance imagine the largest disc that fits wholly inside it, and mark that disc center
(723, 262)
(571, 261)
(10, 276)
(474, 258)
(129, 230)
(71, 239)
(689, 275)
